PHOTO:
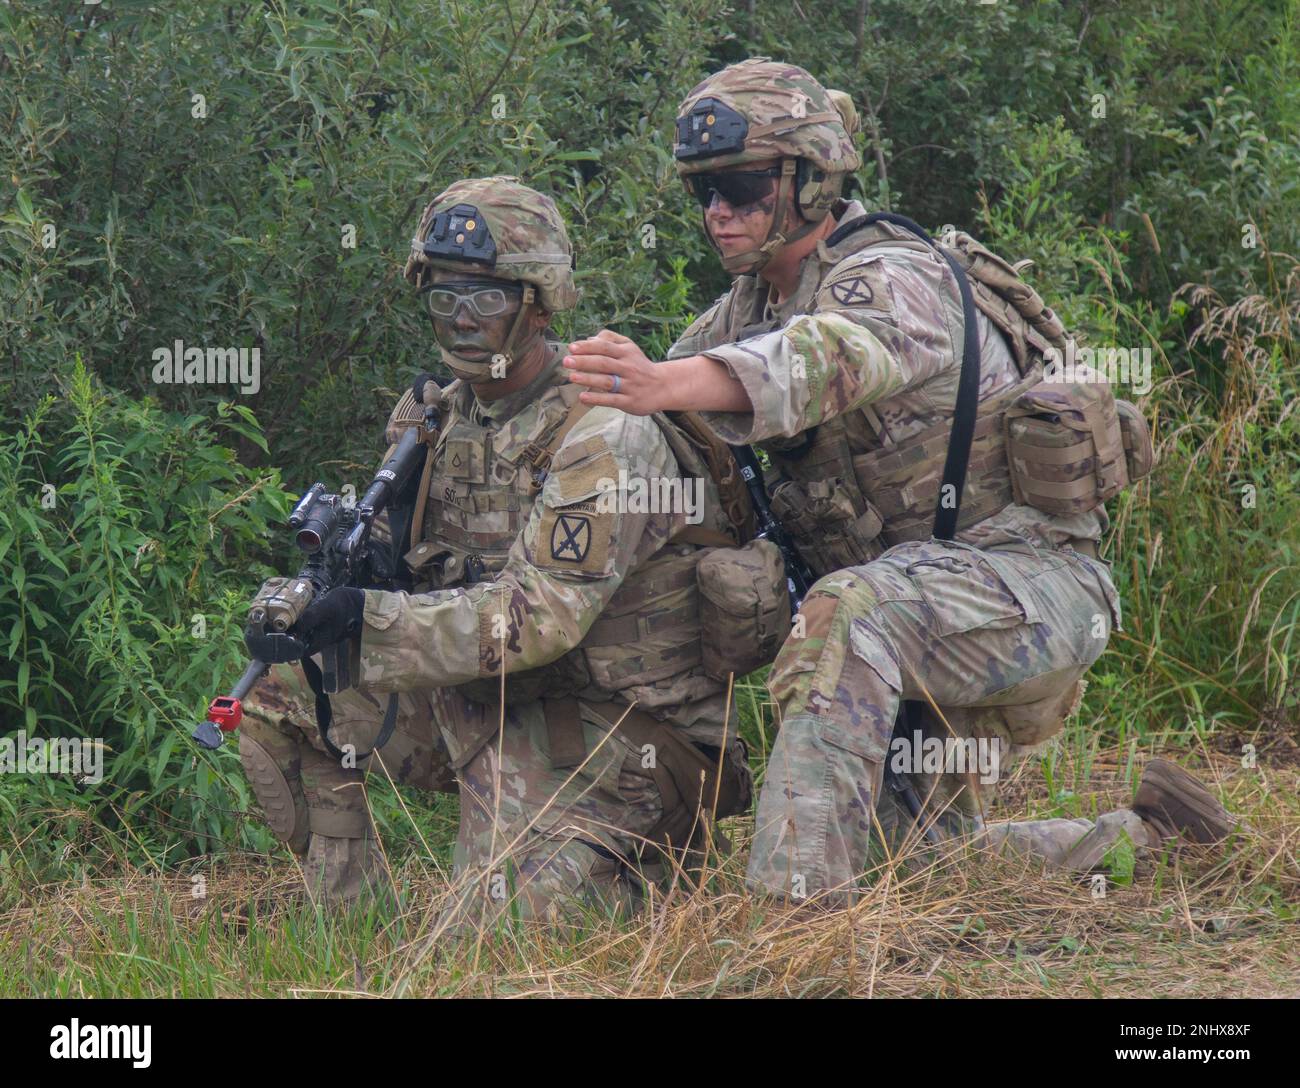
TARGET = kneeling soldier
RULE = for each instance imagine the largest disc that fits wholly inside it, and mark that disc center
(528, 562)
(959, 564)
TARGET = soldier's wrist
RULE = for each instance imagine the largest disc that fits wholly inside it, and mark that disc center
(708, 385)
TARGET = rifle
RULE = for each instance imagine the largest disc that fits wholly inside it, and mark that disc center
(798, 576)
(335, 536)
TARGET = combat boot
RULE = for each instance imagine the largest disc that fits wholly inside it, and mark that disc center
(272, 760)
(341, 870)
(1174, 804)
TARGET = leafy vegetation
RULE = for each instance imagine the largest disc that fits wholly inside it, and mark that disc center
(248, 175)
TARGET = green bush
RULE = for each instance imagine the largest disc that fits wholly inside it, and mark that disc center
(1125, 147)
(230, 228)
(127, 538)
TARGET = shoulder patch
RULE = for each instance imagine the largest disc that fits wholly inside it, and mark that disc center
(570, 537)
(576, 529)
(858, 283)
(576, 539)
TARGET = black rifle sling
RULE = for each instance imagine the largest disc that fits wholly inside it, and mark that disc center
(963, 420)
(948, 505)
(325, 714)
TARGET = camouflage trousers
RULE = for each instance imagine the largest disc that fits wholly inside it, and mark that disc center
(533, 840)
(998, 639)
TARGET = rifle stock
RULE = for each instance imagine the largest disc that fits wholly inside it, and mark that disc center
(798, 577)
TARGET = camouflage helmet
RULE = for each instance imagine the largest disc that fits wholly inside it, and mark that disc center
(503, 227)
(763, 109)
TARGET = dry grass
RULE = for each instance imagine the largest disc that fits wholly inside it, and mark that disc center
(1218, 922)
(1206, 665)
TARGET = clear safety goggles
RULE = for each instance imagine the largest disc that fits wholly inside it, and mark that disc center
(486, 300)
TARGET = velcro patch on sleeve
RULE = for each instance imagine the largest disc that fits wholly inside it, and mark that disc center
(858, 285)
(580, 470)
(575, 539)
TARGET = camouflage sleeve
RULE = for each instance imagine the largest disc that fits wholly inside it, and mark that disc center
(581, 540)
(880, 325)
(700, 332)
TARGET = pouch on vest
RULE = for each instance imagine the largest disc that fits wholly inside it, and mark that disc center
(1139, 453)
(831, 532)
(1065, 447)
(744, 608)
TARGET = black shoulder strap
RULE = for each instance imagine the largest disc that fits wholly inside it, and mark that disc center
(954, 471)
(325, 714)
(963, 420)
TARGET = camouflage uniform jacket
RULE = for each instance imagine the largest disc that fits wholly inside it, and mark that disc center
(586, 593)
(872, 335)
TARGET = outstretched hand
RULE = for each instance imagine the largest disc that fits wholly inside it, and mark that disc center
(617, 374)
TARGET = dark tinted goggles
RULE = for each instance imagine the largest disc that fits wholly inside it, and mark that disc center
(737, 187)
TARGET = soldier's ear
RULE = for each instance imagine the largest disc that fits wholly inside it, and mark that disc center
(540, 318)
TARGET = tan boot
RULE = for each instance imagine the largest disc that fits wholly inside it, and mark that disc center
(1174, 804)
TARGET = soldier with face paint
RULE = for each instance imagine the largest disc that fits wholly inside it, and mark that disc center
(840, 348)
(548, 663)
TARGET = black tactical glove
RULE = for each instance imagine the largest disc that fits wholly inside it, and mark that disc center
(331, 618)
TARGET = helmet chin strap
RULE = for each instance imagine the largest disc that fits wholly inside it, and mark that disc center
(753, 261)
(478, 371)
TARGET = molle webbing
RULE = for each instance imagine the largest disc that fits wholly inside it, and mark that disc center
(649, 605)
(829, 455)
(1065, 446)
(650, 629)
(903, 482)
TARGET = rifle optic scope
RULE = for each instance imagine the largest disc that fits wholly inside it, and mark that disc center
(320, 525)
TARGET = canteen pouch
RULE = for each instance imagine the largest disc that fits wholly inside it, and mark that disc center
(1139, 453)
(1065, 447)
(744, 608)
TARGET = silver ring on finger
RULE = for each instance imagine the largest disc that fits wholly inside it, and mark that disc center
(617, 382)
